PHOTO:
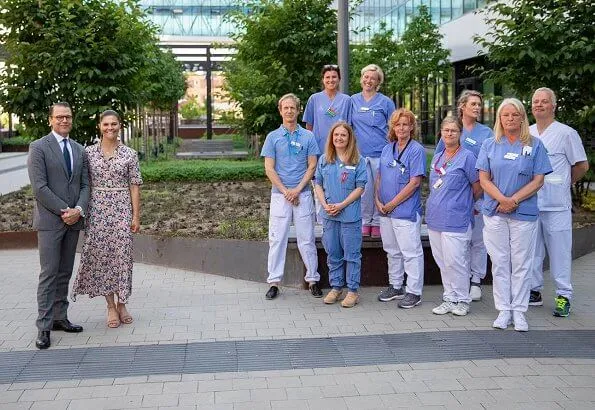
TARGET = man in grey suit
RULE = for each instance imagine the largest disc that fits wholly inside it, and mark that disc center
(59, 177)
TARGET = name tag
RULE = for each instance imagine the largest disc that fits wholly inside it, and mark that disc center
(470, 141)
(511, 155)
(349, 167)
(438, 183)
(527, 150)
(364, 109)
(295, 144)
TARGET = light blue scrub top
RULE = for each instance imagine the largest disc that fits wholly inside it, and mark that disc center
(512, 172)
(322, 113)
(449, 208)
(290, 152)
(338, 181)
(471, 140)
(370, 123)
(394, 177)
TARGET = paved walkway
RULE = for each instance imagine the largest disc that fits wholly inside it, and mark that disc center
(206, 341)
(13, 171)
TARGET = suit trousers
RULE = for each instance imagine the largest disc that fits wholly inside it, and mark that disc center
(57, 249)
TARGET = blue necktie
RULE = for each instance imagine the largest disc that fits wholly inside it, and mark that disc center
(67, 157)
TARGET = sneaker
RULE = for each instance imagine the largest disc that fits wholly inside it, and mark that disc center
(475, 291)
(461, 309)
(315, 290)
(391, 293)
(503, 320)
(520, 323)
(366, 230)
(535, 299)
(444, 308)
(562, 306)
(272, 293)
(350, 300)
(375, 232)
(333, 296)
(410, 300)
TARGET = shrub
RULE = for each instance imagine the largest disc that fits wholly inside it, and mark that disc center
(202, 170)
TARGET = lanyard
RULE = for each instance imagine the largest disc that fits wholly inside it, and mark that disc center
(294, 146)
(398, 159)
(446, 161)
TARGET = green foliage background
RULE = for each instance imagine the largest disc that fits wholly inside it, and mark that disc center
(93, 54)
(202, 170)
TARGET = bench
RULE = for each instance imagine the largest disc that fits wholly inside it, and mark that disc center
(208, 149)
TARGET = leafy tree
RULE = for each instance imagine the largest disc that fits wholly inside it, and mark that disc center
(421, 60)
(381, 50)
(545, 43)
(92, 54)
(281, 48)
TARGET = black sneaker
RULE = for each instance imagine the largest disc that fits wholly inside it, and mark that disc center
(535, 299)
(410, 300)
(391, 293)
(272, 293)
(315, 290)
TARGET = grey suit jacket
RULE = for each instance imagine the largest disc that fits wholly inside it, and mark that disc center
(52, 188)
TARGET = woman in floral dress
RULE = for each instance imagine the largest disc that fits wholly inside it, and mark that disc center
(114, 214)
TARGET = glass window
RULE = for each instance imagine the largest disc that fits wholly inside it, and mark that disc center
(445, 11)
(435, 11)
(469, 5)
(457, 8)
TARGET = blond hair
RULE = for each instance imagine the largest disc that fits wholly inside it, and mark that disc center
(525, 136)
(394, 119)
(377, 70)
(289, 96)
(464, 98)
(352, 152)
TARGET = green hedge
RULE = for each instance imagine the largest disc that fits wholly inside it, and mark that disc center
(202, 170)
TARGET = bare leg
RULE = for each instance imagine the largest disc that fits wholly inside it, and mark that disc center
(125, 316)
(113, 319)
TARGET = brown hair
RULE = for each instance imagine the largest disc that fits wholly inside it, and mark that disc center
(394, 119)
(109, 113)
(330, 152)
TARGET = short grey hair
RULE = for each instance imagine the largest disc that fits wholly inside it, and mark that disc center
(548, 91)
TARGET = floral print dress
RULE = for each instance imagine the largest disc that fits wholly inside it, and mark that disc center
(106, 261)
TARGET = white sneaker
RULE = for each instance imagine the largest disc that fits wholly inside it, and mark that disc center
(475, 291)
(444, 308)
(461, 309)
(520, 323)
(503, 320)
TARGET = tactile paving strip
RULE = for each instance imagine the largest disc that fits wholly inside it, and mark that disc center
(285, 354)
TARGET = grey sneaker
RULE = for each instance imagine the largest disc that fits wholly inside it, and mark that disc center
(391, 293)
(410, 300)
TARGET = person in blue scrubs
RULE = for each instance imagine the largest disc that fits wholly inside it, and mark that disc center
(324, 109)
(469, 106)
(328, 107)
(290, 153)
(340, 181)
(370, 111)
(512, 166)
(454, 183)
(398, 198)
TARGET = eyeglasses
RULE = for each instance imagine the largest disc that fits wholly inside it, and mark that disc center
(449, 131)
(61, 118)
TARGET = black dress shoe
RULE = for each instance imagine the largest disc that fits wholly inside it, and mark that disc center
(315, 290)
(66, 326)
(43, 339)
(272, 293)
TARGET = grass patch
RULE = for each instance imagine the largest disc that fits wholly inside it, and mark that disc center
(202, 170)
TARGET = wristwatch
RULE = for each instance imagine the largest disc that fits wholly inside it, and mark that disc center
(80, 210)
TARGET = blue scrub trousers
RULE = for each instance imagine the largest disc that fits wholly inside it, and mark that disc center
(343, 244)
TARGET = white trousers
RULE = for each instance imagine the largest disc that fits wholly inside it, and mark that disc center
(554, 233)
(401, 240)
(479, 255)
(451, 253)
(317, 205)
(511, 246)
(370, 215)
(282, 213)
